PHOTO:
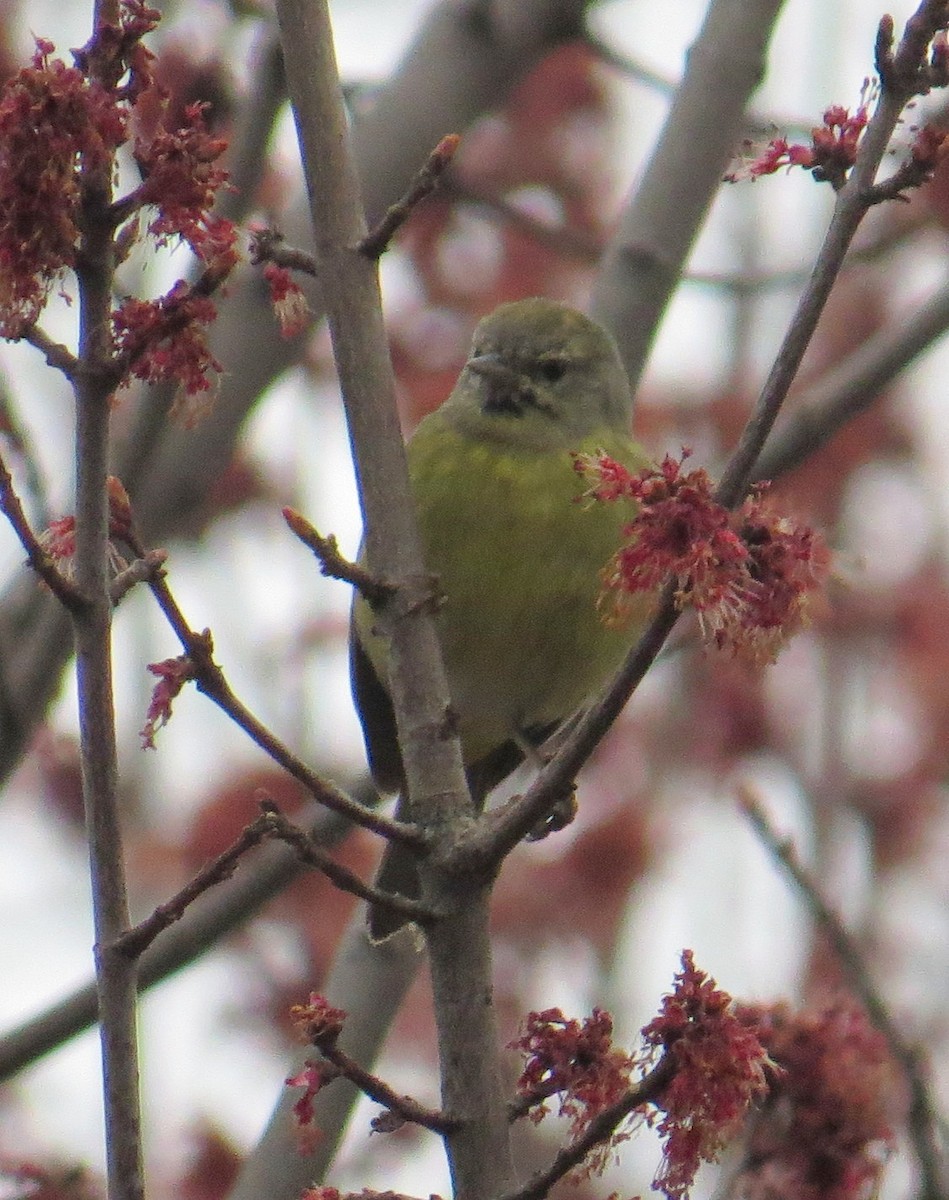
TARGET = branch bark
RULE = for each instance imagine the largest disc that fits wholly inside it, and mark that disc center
(644, 263)
(478, 1144)
(92, 627)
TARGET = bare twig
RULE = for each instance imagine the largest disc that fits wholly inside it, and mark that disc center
(137, 939)
(852, 387)
(377, 1089)
(142, 570)
(92, 383)
(310, 852)
(923, 1115)
(199, 929)
(332, 563)
(268, 245)
(55, 353)
(376, 241)
(271, 824)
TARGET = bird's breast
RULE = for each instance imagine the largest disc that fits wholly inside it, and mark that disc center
(518, 560)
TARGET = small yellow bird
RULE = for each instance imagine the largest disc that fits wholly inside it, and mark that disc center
(517, 558)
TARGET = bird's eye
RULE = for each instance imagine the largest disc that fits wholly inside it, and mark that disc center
(551, 370)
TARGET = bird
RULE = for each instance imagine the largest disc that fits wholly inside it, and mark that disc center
(515, 551)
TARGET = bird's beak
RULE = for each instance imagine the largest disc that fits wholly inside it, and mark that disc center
(492, 368)
(504, 391)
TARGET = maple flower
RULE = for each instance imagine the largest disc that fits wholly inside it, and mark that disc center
(52, 120)
(288, 300)
(829, 1124)
(166, 339)
(58, 539)
(786, 567)
(831, 154)
(311, 1079)
(929, 149)
(320, 1024)
(720, 1071)
(173, 674)
(751, 575)
(56, 121)
(182, 179)
(576, 1061)
(317, 1021)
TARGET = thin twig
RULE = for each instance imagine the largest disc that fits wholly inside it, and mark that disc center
(137, 939)
(852, 387)
(55, 353)
(42, 563)
(923, 1116)
(333, 564)
(271, 824)
(521, 1105)
(378, 1090)
(92, 384)
(212, 682)
(853, 202)
(199, 930)
(267, 245)
(309, 851)
(375, 243)
(142, 570)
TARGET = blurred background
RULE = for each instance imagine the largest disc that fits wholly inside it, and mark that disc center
(844, 739)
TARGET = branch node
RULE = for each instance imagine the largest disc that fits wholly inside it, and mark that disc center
(333, 564)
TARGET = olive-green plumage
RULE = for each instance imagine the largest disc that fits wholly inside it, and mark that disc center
(516, 557)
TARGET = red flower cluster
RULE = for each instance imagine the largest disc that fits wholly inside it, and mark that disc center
(52, 118)
(828, 1126)
(311, 1078)
(288, 300)
(831, 154)
(750, 575)
(173, 674)
(320, 1024)
(166, 339)
(317, 1021)
(578, 1062)
(58, 539)
(57, 123)
(928, 149)
(720, 1070)
(181, 179)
